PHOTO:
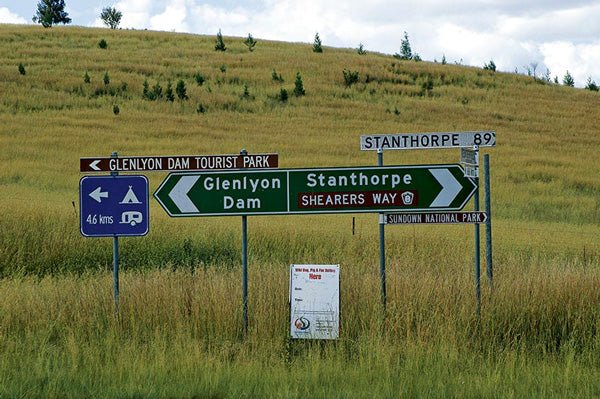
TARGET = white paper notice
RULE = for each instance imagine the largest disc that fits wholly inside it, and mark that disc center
(315, 301)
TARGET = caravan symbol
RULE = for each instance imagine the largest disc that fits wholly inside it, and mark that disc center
(131, 217)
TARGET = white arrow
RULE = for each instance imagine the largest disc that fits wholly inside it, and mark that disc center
(94, 164)
(98, 194)
(179, 194)
(450, 187)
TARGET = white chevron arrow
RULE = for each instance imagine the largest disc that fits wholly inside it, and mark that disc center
(179, 194)
(94, 164)
(450, 187)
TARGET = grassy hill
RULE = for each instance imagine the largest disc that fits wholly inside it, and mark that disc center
(178, 330)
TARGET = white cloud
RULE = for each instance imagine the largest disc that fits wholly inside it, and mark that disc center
(580, 60)
(136, 13)
(7, 17)
(172, 18)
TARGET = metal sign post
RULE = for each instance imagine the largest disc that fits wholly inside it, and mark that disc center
(382, 246)
(243, 152)
(488, 224)
(114, 155)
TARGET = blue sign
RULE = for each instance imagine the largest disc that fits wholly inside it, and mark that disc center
(114, 206)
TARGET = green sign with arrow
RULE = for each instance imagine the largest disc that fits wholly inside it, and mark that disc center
(323, 190)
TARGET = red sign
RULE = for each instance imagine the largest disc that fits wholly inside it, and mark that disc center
(179, 163)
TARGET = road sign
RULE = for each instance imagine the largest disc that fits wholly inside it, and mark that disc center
(325, 190)
(114, 206)
(435, 217)
(179, 163)
(315, 301)
(414, 141)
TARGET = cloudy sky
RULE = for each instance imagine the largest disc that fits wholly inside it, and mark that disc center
(557, 35)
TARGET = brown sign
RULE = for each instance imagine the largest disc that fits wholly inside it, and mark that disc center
(435, 217)
(179, 163)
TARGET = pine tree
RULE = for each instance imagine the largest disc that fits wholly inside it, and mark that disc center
(299, 86)
(181, 90)
(361, 49)
(106, 78)
(405, 50)
(317, 48)
(591, 85)
(220, 45)
(86, 78)
(250, 42)
(568, 80)
(21, 68)
(169, 93)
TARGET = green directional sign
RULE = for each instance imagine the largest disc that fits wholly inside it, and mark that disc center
(324, 190)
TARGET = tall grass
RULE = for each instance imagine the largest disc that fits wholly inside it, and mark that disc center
(178, 331)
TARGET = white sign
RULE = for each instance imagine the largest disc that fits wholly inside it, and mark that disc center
(315, 301)
(415, 141)
(469, 156)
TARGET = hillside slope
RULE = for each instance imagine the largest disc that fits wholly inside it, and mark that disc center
(545, 174)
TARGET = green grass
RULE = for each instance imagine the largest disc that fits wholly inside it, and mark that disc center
(178, 333)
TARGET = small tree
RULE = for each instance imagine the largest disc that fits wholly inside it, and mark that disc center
(102, 44)
(591, 85)
(116, 109)
(86, 78)
(50, 12)
(169, 93)
(220, 45)
(283, 95)
(276, 76)
(317, 47)
(405, 49)
(199, 79)
(299, 86)
(444, 62)
(181, 90)
(111, 17)
(156, 92)
(350, 77)
(106, 78)
(490, 67)
(21, 68)
(361, 49)
(250, 42)
(568, 80)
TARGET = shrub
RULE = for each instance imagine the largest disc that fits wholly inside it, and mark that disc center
(350, 77)
(21, 68)
(299, 86)
(199, 79)
(591, 85)
(116, 109)
(169, 93)
(276, 77)
(317, 47)
(181, 90)
(157, 91)
(223, 68)
(220, 44)
(146, 90)
(200, 109)
(250, 42)
(246, 93)
(106, 78)
(86, 78)
(283, 95)
(361, 49)
(490, 67)
(417, 58)
(102, 44)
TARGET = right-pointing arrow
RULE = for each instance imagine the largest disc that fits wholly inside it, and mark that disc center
(179, 194)
(450, 187)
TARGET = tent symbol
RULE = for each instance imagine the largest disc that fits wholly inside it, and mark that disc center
(130, 198)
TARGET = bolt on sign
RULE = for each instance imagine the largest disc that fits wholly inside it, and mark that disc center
(314, 301)
(325, 190)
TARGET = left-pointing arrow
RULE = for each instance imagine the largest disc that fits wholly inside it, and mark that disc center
(179, 194)
(98, 194)
(94, 164)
